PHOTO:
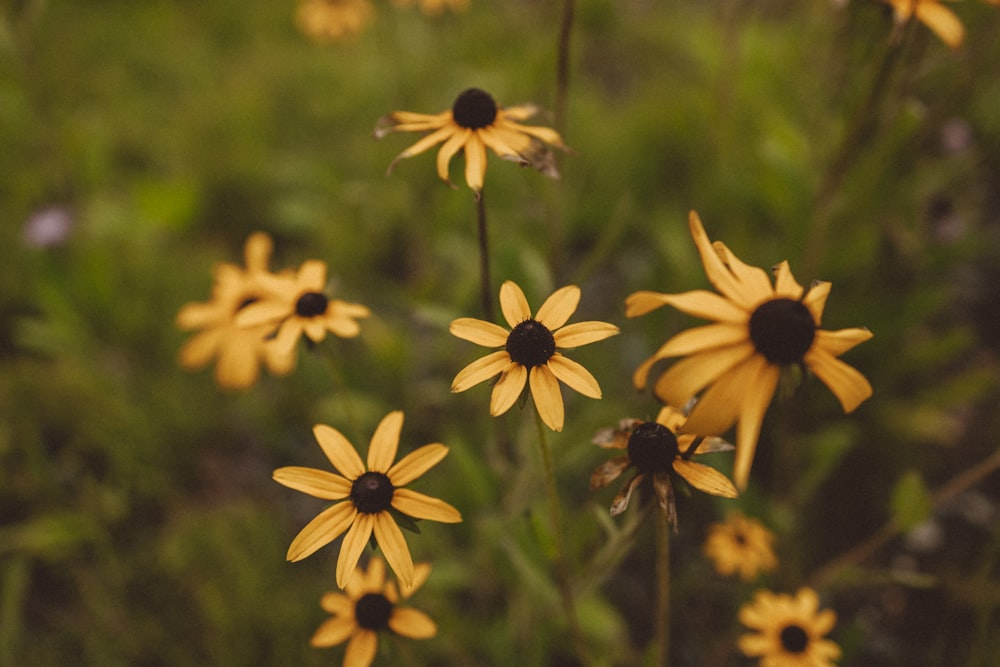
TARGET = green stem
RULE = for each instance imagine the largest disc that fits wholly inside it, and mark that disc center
(662, 589)
(485, 282)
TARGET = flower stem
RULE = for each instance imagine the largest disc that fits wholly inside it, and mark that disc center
(485, 282)
(562, 64)
(561, 563)
(662, 589)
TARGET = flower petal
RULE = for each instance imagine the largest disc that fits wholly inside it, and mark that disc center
(416, 463)
(574, 375)
(704, 478)
(393, 545)
(608, 471)
(479, 332)
(361, 649)
(513, 304)
(840, 341)
(339, 451)
(559, 307)
(583, 333)
(312, 276)
(547, 396)
(475, 162)
(679, 383)
(424, 143)
(847, 383)
(480, 370)
(316, 483)
(672, 418)
(352, 546)
(704, 338)
(263, 312)
(697, 303)
(448, 150)
(385, 441)
(717, 272)
(815, 299)
(421, 506)
(943, 22)
(325, 528)
(508, 388)
(412, 623)
(334, 631)
(620, 502)
(785, 285)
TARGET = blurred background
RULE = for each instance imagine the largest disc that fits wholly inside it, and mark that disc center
(142, 142)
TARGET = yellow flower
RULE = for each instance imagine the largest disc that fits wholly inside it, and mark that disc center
(435, 7)
(239, 350)
(473, 123)
(941, 20)
(740, 545)
(758, 330)
(368, 497)
(789, 629)
(655, 449)
(368, 606)
(529, 353)
(332, 20)
(298, 305)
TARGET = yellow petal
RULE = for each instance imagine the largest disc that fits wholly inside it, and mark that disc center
(432, 139)
(517, 112)
(337, 604)
(717, 272)
(479, 332)
(942, 21)
(333, 631)
(785, 285)
(448, 150)
(422, 506)
(361, 649)
(352, 546)
(326, 527)
(547, 396)
(257, 251)
(508, 388)
(385, 441)
(697, 303)
(416, 463)
(672, 418)
(263, 312)
(480, 370)
(838, 342)
(559, 307)
(705, 478)
(314, 328)
(237, 367)
(574, 375)
(679, 383)
(763, 380)
(316, 483)
(475, 162)
(201, 315)
(849, 386)
(583, 333)
(412, 623)
(506, 144)
(513, 304)
(704, 338)
(545, 134)
(815, 299)
(339, 451)
(393, 545)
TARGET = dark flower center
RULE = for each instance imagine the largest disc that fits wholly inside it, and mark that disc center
(474, 109)
(372, 493)
(794, 639)
(372, 611)
(530, 344)
(652, 448)
(782, 330)
(311, 304)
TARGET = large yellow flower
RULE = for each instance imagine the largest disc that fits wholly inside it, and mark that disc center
(239, 350)
(758, 330)
(528, 354)
(790, 630)
(740, 545)
(332, 20)
(655, 449)
(367, 497)
(299, 305)
(368, 606)
(475, 122)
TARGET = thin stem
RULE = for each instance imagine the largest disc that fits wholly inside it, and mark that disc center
(662, 589)
(563, 578)
(485, 282)
(562, 64)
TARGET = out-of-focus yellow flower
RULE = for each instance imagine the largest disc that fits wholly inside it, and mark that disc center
(741, 546)
(435, 7)
(333, 20)
(790, 630)
(941, 20)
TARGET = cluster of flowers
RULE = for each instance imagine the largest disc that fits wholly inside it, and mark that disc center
(729, 374)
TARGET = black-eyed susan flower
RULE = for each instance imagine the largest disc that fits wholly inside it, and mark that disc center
(368, 606)
(333, 20)
(474, 123)
(790, 631)
(655, 450)
(740, 545)
(528, 354)
(758, 330)
(239, 351)
(367, 497)
(435, 7)
(299, 305)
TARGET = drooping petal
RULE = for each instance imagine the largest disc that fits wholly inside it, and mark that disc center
(559, 307)
(513, 304)
(620, 502)
(393, 545)
(314, 329)
(325, 528)
(764, 380)
(385, 441)
(574, 375)
(416, 463)
(704, 478)
(432, 139)
(288, 335)
(333, 631)
(608, 471)
(361, 649)
(583, 333)
(422, 506)
(847, 383)
(448, 150)
(679, 383)
(663, 488)
(840, 341)
(352, 546)
(339, 451)
(546, 134)
(316, 483)
(508, 388)
(517, 112)
(547, 396)
(480, 370)
(479, 332)
(475, 162)
(505, 143)
(943, 22)
(697, 303)
(412, 623)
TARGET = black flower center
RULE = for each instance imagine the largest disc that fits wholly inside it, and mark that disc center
(652, 448)
(782, 330)
(474, 109)
(794, 639)
(372, 493)
(311, 304)
(530, 344)
(372, 611)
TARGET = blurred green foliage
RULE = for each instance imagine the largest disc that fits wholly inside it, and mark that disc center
(138, 521)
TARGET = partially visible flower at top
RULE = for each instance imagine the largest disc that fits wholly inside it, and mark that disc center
(528, 354)
(759, 329)
(740, 545)
(435, 7)
(941, 20)
(298, 305)
(333, 20)
(475, 122)
(239, 350)
(655, 450)
(790, 630)
(368, 498)
(370, 605)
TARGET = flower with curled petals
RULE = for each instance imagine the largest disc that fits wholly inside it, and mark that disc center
(740, 545)
(474, 123)
(367, 497)
(758, 330)
(528, 353)
(370, 605)
(790, 631)
(655, 450)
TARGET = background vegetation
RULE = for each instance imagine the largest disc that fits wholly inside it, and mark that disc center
(138, 521)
